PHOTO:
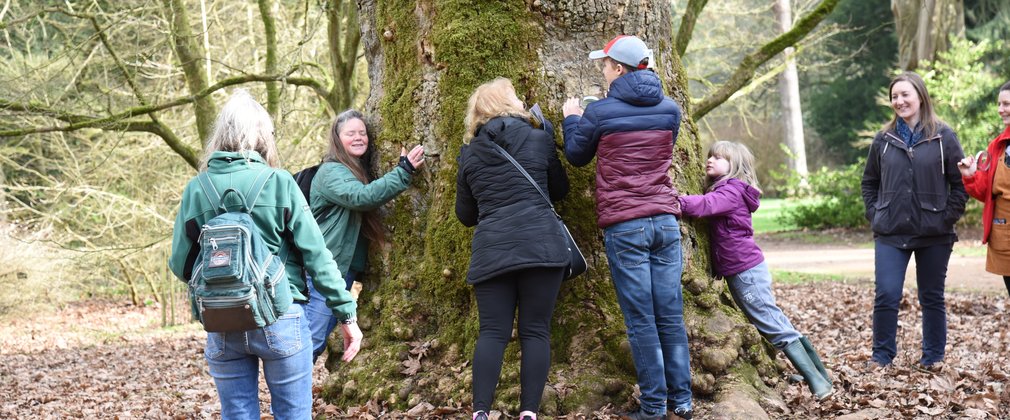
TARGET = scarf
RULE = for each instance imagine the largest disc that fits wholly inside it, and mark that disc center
(910, 137)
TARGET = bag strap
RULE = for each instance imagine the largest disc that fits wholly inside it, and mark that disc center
(526, 174)
(209, 189)
(257, 187)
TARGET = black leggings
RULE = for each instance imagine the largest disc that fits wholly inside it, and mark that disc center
(1006, 281)
(534, 291)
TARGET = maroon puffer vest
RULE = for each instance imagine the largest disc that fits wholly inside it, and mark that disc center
(632, 179)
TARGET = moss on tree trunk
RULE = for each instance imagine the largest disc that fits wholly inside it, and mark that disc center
(419, 316)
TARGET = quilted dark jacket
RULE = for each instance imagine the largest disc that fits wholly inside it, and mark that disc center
(631, 132)
(515, 226)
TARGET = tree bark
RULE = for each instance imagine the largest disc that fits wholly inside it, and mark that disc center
(190, 57)
(924, 27)
(345, 39)
(270, 35)
(789, 92)
(420, 319)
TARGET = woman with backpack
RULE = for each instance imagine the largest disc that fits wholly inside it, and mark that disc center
(239, 155)
(345, 198)
(518, 255)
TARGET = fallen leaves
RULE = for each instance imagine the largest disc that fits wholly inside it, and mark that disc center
(105, 359)
(970, 383)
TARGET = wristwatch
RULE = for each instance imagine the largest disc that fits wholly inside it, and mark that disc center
(349, 321)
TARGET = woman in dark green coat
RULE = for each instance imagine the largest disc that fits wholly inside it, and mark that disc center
(345, 197)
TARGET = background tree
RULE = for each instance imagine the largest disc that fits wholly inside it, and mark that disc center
(85, 85)
(78, 80)
(726, 32)
(789, 93)
(841, 95)
(924, 27)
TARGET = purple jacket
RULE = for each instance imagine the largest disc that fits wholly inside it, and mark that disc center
(728, 207)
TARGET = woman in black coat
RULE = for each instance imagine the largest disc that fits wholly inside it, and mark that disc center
(913, 195)
(518, 254)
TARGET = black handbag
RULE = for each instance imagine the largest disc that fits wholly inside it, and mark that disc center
(577, 265)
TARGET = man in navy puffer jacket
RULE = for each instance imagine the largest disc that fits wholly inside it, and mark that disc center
(631, 132)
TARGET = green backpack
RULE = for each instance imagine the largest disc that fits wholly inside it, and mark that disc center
(237, 283)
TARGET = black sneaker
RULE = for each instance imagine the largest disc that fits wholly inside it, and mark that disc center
(527, 417)
(680, 413)
(639, 415)
(480, 415)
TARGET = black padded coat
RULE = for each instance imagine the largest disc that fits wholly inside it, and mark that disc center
(515, 226)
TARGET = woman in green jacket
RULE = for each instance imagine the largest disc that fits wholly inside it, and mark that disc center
(241, 147)
(345, 197)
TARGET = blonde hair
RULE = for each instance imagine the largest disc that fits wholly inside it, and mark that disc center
(496, 98)
(242, 126)
(928, 120)
(741, 162)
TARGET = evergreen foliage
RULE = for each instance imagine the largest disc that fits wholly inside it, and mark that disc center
(839, 99)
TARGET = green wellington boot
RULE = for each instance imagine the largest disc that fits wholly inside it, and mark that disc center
(797, 354)
(816, 359)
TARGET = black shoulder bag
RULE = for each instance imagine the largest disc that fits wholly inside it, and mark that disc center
(577, 264)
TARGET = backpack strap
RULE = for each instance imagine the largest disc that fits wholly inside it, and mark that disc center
(209, 191)
(257, 187)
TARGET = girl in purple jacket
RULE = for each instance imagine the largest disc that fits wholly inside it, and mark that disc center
(732, 195)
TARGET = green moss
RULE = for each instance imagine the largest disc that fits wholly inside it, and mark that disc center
(748, 374)
(418, 294)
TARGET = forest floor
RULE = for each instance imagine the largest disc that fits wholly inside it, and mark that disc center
(110, 359)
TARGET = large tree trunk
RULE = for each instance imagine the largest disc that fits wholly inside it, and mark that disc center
(419, 317)
(789, 93)
(924, 28)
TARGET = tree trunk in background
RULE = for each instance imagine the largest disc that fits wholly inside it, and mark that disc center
(3, 196)
(191, 56)
(789, 92)
(924, 27)
(419, 316)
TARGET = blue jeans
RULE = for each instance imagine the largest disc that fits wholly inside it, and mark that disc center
(752, 291)
(284, 348)
(890, 264)
(321, 319)
(645, 263)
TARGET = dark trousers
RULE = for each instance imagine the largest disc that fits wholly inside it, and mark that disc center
(534, 291)
(1006, 281)
(930, 274)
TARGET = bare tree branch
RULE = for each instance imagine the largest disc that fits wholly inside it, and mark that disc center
(171, 139)
(745, 71)
(691, 13)
(82, 121)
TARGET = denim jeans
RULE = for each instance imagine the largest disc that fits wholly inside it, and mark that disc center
(321, 319)
(890, 264)
(284, 348)
(752, 291)
(645, 263)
